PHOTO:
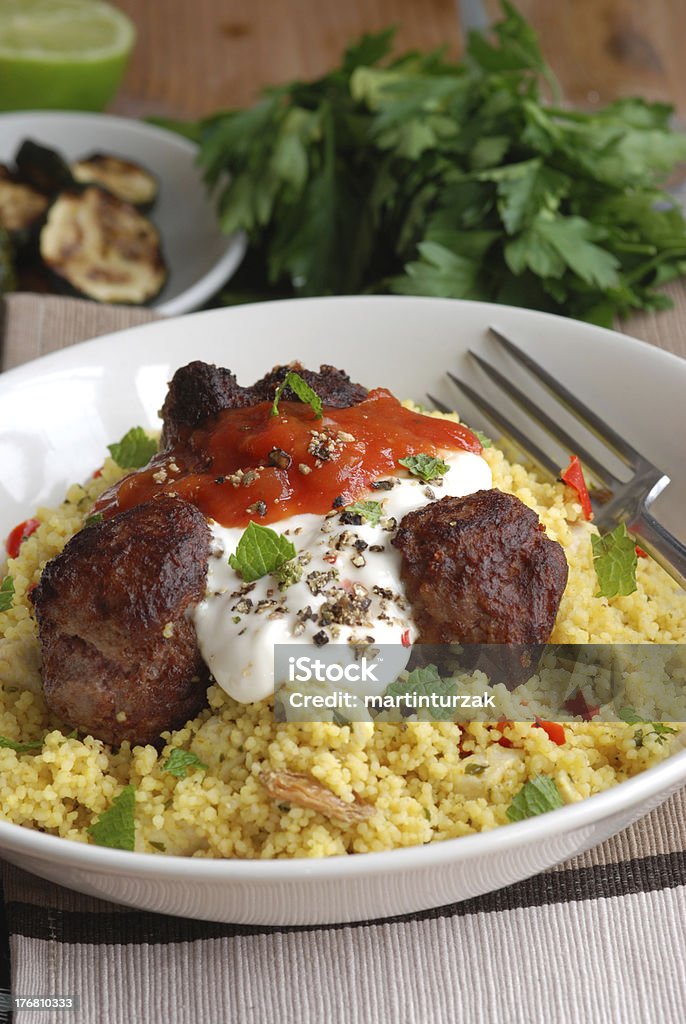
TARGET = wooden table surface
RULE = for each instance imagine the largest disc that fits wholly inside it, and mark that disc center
(195, 57)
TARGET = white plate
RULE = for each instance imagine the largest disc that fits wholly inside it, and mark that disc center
(200, 258)
(57, 415)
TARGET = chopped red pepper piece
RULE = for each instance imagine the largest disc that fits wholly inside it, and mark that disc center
(641, 553)
(554, 730)
(19, 534)
(503, 741)
(573, 476)
(97, 473)
(405, 638)
(577, 705)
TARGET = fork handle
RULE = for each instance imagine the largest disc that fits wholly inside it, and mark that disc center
(664, 547)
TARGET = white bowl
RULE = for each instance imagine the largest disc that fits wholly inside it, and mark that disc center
(200, 258)
(58, 414)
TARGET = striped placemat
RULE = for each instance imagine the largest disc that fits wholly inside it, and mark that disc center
(598, 938)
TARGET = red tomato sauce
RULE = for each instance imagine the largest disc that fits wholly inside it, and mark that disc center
(247, 464)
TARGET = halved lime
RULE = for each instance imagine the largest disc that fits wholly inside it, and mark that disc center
(62, 54)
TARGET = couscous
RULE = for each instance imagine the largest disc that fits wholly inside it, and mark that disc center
(426, 781)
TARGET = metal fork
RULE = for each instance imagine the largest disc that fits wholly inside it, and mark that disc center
(616, 501)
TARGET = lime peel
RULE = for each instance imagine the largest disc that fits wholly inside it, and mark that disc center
(65, 54)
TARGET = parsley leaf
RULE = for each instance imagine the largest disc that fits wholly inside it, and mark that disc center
(93, 520)
(179, 761)
(425, 466)
(116, 827)
(6, 594)
(456, 179)
(372, 511)
(302, 389)
(537, 796)
(530, 186)
(614, 560)
(134, 450)
(21, 748)
(260, 551)
(425, 681)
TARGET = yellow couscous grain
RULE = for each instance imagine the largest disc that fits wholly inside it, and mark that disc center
(414, 774)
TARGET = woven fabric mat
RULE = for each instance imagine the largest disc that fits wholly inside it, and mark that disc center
(600, 938)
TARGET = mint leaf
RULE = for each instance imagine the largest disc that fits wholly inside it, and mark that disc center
(484, 441)
(423, 682)
(372, 511)
(260, 551)
(614, 561)
(179, 761)
(630, 716)
(537, 796)
(116, 827)
(302, 389)
(134, 450)
(21, 748)
(6, 594)
(427, 467)
(659, 730)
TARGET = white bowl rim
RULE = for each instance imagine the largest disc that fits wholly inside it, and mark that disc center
(91, 344)
(210, 283)
(586, 812)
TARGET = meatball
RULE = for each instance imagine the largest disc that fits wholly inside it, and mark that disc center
(481, 570)
(196, 392)
(200, 390)
(120, 656)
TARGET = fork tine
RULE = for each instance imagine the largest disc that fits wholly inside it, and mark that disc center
(558, 432)
(594, 423)
(441, 406)
(509, 429)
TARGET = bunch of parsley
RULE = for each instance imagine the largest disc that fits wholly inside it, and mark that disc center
(422, 176)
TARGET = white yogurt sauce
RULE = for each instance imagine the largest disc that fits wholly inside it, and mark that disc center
(350, 589)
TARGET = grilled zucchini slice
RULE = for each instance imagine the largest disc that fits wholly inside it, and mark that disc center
(123, 178)
(42, 168)
(103, 248)
(22, 208)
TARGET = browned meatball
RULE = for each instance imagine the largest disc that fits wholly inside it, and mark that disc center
(480, 570)
(200, 390)
(334, 387)
(120, 657)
